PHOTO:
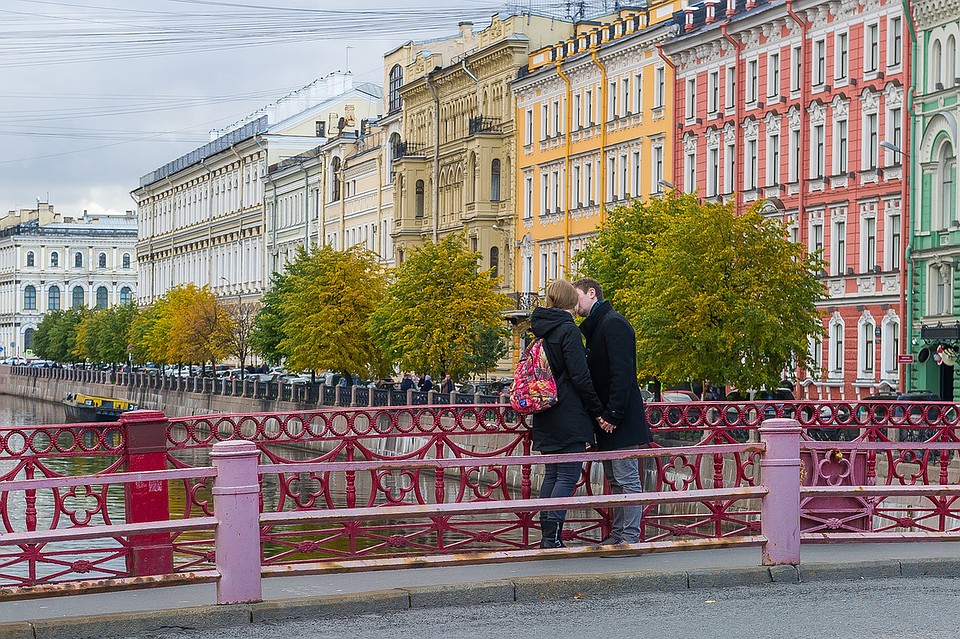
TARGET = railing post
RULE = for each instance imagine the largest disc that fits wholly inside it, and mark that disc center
(236, 495)
(145, 437)
(780, 507)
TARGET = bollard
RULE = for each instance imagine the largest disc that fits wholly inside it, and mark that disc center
(780, 507)
(145, 439)
(236, 495)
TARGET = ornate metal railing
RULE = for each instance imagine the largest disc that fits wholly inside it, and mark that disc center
(391, 484)
(409, 150)
(480, 124)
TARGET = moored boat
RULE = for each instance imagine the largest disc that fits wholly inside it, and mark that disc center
(90, 408)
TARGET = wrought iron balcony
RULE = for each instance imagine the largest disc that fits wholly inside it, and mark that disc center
(481, 124)
(409, 150)
(525, 301)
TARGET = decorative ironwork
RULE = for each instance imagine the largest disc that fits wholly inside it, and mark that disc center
(525, 301)
(409, 150)
(480, 124)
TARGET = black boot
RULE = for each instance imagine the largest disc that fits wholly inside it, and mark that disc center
(550, 534)
(560, 535)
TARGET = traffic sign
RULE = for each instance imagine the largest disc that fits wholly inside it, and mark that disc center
(905, 359)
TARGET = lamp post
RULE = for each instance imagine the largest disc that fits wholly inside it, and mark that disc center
(665, 184)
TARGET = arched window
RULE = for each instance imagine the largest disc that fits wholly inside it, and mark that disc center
(30, 259)
(335, 180)
(395, 103)
(950, 61)
(102, 260)
(78, 301)
(28, 339)
(890, 345)
(936, 62)
(126, 260)
(53, 298)
(940, 289)
(102, 297)
(495, 181)
(418, 202)
(868, 349)
(126, 295)
(495, 261)
(78, 259)
(835, 348)
(30, 298)
(54, 259)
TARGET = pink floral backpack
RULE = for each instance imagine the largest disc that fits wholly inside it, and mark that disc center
(534, 388)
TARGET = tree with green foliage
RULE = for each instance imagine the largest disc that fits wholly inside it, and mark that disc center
(441, 315)
(267, 331)
(242, 316)
(325, 303)
(56, 335)
(711, 294)
(102, 335)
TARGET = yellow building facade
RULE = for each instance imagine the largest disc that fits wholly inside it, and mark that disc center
(594, 131)
(454, 164)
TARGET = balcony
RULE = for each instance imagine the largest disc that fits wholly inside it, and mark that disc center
(481, 124)
(525, 301)
(409, 150)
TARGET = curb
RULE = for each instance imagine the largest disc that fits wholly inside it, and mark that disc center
(525, 589)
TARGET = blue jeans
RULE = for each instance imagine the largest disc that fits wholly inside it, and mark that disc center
(623, 475)
(560, 480)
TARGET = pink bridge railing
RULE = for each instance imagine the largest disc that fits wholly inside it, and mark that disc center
(372, 488)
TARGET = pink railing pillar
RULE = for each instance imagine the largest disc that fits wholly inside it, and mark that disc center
(146, 448)
(780, 507)
(236, 496)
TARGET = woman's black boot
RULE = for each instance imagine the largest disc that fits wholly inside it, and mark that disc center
(550, 531)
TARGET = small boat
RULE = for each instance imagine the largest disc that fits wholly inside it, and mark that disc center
(90, 408)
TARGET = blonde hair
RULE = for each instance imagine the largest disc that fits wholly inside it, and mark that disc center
(561, 294)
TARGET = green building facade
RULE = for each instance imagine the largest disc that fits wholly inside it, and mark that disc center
(933, 251)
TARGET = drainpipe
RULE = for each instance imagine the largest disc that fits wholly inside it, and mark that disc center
(907, 203)
(675, 132)
(804, 100)
(209, 224)
(436, 156)
(737, 49)
(567, 185)
(603, 130)
(266, 279)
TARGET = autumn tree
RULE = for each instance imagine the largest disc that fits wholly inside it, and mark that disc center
(441, 314)
(186, 325)
(325, 304)
(711, 294)
(242, 317)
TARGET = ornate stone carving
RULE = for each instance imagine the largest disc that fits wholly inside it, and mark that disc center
(870, 5)
(526, 246)
(750, 129)
(893, 95)
(772, 30)
(843, 9)
(870, 99)
(818, 16)
(772, 123)
(729, 134)
(793, 117)
(751, 39)
(839, 106)
(713, 137)
(689, 143)
(818, 113)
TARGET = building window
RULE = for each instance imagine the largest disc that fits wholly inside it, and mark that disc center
(30, 258)
(78, 301)
(940, 289)
(751, 81)
(495, 181)
(730, 168)
(871, 48)
(871, 144)
(840, 144)
(793, 157)
(544, 122)
(936, 59)
(713, 92)
(946, 185)
(730, 89)
(78, 259)
(418, 201)
(713, 170)
(750, 157)
(773, 160)
(588, 98)
(660, 93)
(30, 298)
(839, 258)
(495, 261)
(836, 349)
(53, 298)
(396, 81)
(868, 244)
(54, 259)
(28, 339)
(528, 197)
(890, 345)
(126, 260)
(817, 161)
(892, 228)
(895, 41)
(816, 238)
(690, 173)
(102, 297)
(335, 180)
(528, 127)
(773, 74)
(868, 348)
(796, 68)
(657, 152)
(819, 62)
(691, 98)
(815, 356)
(102, 260)
(841, 64)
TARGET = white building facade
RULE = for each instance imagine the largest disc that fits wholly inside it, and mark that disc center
(202, 217)
(49, 262)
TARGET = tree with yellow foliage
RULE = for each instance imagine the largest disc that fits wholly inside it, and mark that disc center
(442, 315)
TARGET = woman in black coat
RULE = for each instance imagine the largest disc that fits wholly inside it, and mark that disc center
(567, 426)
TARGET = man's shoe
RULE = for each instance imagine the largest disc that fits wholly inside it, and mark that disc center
(608, 541)
(620, 548)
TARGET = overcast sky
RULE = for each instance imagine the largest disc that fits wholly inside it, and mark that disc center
(96, 93)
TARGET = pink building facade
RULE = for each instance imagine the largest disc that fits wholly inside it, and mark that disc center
(800, 106)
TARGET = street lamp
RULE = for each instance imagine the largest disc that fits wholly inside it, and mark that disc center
(890, 146)
(666, 184)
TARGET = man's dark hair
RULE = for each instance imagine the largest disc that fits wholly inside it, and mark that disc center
(586, 283)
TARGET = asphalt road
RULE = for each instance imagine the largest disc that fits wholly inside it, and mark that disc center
(870, 608)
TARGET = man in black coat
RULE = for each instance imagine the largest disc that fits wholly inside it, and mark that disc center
(612, 359)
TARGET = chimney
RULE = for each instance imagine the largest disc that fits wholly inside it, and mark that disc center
(731, 8)
(688, 13)
(711, 11)
(466, 29)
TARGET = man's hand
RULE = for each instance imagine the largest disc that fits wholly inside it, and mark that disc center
(605, 425)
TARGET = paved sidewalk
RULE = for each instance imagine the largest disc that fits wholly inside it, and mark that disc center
(129, 612)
